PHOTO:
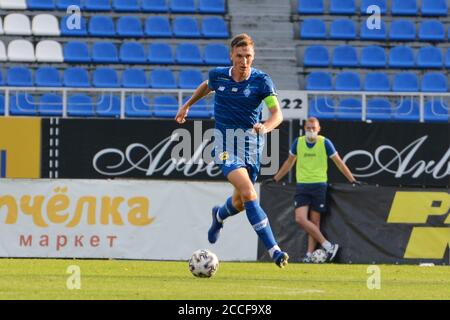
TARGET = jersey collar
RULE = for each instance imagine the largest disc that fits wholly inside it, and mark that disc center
(231, 68)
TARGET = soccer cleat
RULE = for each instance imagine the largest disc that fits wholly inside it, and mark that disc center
(214, 230)
(307, 259)
(281, 258)
(331, 254)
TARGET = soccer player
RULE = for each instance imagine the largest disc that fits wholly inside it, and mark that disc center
(239, 92)
(311, 152)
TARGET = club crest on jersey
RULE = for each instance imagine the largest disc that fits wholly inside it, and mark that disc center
(247, 92)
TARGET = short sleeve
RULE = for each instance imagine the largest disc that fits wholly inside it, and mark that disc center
(331, 151)
(212, 79)
(293, 149)
(268, 88)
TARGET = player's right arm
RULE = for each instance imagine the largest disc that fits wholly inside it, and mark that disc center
(201, 91)
(286, 167)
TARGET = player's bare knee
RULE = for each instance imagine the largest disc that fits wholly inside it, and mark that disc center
(248, 194)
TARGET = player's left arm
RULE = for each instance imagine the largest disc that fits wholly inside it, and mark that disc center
(275, 117)
(343, 167)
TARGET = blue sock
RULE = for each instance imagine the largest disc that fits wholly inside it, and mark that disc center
(258, 219)
(227, 210)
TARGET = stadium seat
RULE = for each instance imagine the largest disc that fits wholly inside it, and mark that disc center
(45, 25)
(156, 6)
(367, 3)
(310, 7)
(22, 104)
(431, 30)
(64, 4)
(377, 81)
(17, 24)
(162, 79)
(198, 111)
(434, 82)
(401, 57)
(3, 56)
(158, 27)
(105, 78)
(2, 104)
(19, 77)
(1, 26)
(447, 59)
(429, 57)
(343, 29)
(185, 27)
(41, 4)
(189, 79)
(373, 57)
(76, 77)
(404, 8)
(138, 105)
(348, 81)
(80, 105)
(405, 82)
(13, 4)
(132, 52)
(406, 110)
(183, 6)
(313, 29)
(373, 34)
(378, 109)
(160, 53)
(188, 53)
(134, 78)
(126, 5)
(212, 6)
(217, 54)
(436, 110)
(21, 51)
(97, 5)
(104, 52)
(76, 51)
(1, 79)
(349, 109)
(165, 107)
(70, 27)
(402, 30)
(129, 27)
(316, 56)
(50, 105)
(214, 28)
(342, 7)
(101, 26)
(322, 108)
(48, 77)
(434, 8)
(108, 105)
(319, 81)
(345, 56)
(49, 51)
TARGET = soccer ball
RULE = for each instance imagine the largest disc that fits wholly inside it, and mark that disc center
(319, 256)
(203, 263)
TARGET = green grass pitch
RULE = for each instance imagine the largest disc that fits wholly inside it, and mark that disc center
(167, 280)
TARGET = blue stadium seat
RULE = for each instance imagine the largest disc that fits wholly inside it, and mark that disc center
(198, 110)
(349, 109)
(2, 83)
(22, 104)
(214, 28)
(108, 105)
(407, 110)
(378, 109)
(434, 8)
(431, 30)
(47, 77)
(404, 8)
(188, 53)
(367, 3)
(19, 77)
(374, 34)
(373, 57)
(436, 110)
(348, 81)
(134, 78)
(76, 77)
(41, 4)
(189, 79)
(97, 5)
(158, 27)
(160, 53)
(434, 82)
(402, 30)
(318, 81)
(72, 29)
(322, 108)
(377, 81)
(165, 107)
(185, 27)
(104, 52)
(129, 27)
(132, 52)
(343, 29)
(447, 59)
(345, 56)
(64, 4)
(316, 56)
(80, 105)
(342, 7)
(212, 6)
(405, 82)
(313, 29)
(401, 57)
(310, 7)
(101, 26)
(156, 6)
(126, 5)
(50, 105)
(162, 79)
(429, 57)
(76, 51)
(183, 6)
(217, 54)
(138, 106)
(105, 78)
(2, 104)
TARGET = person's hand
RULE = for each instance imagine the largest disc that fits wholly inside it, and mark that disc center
(259, 128)
(359, 183)
(182, 114)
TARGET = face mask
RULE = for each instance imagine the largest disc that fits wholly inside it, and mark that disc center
(311, 136)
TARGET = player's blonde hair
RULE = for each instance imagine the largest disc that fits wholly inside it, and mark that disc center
(242, 40)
